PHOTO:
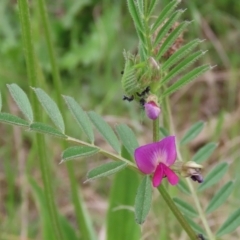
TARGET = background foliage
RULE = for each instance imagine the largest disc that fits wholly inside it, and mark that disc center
(89, 38)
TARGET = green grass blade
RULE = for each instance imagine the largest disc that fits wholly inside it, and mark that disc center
(80, 116)
(120, 216)
(46, 129)
(185, 208)
(67, 229)
(186, 79)
(179, 54)
(166, 27)
(214, 176)
(13, 120)
(105, 170)
(220, 197)
(183, 65)
(105, 130)
(21, 100)
(230, 224)
(171, 38)
(127, 137)
(192, 133)
(165, 13)
(143, 200)
(78, 152)
(51, 108)
(204, 153)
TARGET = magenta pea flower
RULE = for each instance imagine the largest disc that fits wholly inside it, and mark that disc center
(157, 158)
(152, 110)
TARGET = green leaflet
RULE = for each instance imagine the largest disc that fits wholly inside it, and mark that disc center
(220, 197)
(80, 116)
(183, 187)
(186, 79)
(151, 7)
(127, 137)
(204, 153)
(192, 132)
(51, 108)
(166, 27)
(46, 129)
(181, 66)
(185, 208)
(78, 152)
(14, 120)
(143, 200)
(230, 224)
(165, 13)
(180, 53)
(105, 170)
(164, 131)
(105, 130)
(195, 226)
(171, 38)
(21, 100)
(214, 176)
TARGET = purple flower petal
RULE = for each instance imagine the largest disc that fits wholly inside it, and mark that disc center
(167, 150)
(149, 156)
(171, 175)
(145, 157)
(158, 175)
(152, 110)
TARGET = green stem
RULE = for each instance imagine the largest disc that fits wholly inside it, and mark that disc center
(167, 197)
(192, 235)
(32, 78)
(83, 219)
(190, 185)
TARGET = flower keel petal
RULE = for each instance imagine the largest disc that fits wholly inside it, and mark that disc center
(171, 175)
(158, 175)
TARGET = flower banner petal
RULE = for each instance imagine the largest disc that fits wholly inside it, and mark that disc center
(167, 150)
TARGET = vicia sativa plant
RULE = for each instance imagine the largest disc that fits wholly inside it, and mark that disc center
(163, 64)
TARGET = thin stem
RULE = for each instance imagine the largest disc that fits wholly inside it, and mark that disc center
(103, 152)
(83, 219)
(167, 197)
(190, 185)
(32, 78)
(192, 235)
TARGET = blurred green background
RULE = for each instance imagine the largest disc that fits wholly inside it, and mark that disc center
(89, 38)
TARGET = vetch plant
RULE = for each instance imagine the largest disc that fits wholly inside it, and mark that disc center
(160, 68)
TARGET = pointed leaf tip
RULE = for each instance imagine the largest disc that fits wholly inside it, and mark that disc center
(21, 100)
(51, 108)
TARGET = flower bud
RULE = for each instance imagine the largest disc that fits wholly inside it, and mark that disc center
(151, 107)
(190, 169)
